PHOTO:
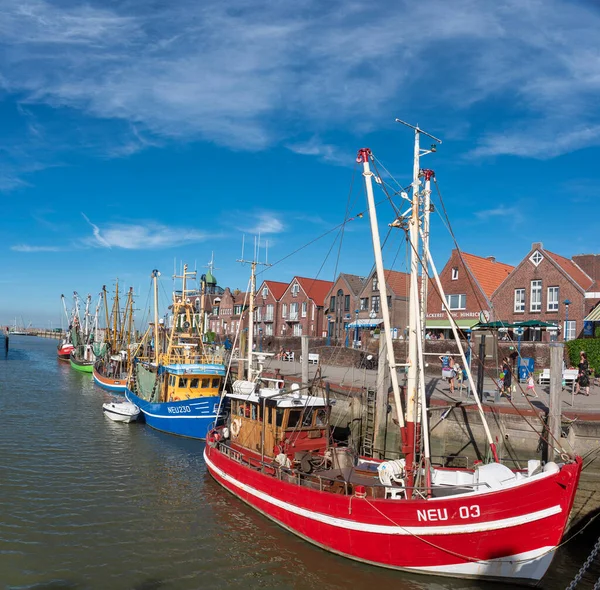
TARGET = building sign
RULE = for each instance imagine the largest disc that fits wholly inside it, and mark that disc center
(588, 328)
(455, 314)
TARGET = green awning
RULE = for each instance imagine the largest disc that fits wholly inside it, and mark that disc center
(445, 324)
(594, 315)
(492, 325)
(534, 324)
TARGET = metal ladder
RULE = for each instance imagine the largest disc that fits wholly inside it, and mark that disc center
(369, 430)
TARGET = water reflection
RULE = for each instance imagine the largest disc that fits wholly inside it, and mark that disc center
(87, 503)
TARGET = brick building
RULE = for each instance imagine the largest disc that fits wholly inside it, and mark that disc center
(228, 313)
(343, 302)
(468, 282)
(538, 288)
(369, 303)
(301, 308)
(267, 307)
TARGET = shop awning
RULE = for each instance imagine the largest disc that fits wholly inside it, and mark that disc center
(445, 324)
(594, 315)
(366, 323)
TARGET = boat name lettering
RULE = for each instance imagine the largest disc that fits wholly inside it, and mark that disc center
(437, 514)
(432, 514)
(179, 410)
(469, 511)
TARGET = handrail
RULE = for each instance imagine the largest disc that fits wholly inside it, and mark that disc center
(280, 471)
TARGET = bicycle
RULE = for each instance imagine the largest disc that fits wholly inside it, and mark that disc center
(366, 361)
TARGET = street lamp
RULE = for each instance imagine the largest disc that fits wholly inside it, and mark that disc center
(356, 329)
(567, 303)
(328, 330)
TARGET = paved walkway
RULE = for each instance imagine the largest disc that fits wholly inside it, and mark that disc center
(353, 377)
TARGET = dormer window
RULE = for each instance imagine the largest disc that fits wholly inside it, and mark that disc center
(375, 284)
(455, 273)
(536, 258)
(295, 289)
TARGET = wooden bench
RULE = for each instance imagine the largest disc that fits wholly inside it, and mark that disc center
(313, 358)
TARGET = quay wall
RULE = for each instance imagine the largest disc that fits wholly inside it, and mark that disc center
(336, 354)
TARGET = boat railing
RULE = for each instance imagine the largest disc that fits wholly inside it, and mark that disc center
(332, 484)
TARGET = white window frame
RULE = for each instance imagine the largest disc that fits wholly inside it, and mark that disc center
(536, 258)
(519, 305)
(294, 311)
(297, 330)
(268, 330)
(462, 298)
(270, 312)
(295, 289)
(284, 310)
(364, 304)
(455, 273)
(304, 308)
(552, 297)
(376, 299)
(570, 329)
(265, 292)
(535, 296)
(375, 284)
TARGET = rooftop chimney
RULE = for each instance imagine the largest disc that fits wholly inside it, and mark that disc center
(491, 258)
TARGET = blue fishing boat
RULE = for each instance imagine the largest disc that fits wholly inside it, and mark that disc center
(178, 390)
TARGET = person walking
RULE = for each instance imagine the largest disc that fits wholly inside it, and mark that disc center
(507, 379)
(448, 372)
(583, 378)
(531, 386)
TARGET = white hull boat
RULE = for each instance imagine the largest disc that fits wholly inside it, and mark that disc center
(121, 411)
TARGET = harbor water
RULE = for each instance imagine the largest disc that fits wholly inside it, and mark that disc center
(86, 503)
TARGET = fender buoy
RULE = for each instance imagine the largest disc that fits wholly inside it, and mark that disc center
(235, 426)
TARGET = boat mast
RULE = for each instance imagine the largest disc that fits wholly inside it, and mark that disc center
(155, 274)
(129, 318)
(116, 318)
(87, 317)
(65, 310)
(107, 320)
(253, 263)
(364, 155)
(427, 174)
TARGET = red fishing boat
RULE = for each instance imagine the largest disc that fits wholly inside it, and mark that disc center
(487, 521)
(65, 348)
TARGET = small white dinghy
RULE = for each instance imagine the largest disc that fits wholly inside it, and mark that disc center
(121, 411)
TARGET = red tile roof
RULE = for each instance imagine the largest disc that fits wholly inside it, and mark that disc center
(398, 282)
(315, 288)
(576, 273)
(277, 288)
(487, 272)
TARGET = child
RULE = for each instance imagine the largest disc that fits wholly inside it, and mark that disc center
(531, 386)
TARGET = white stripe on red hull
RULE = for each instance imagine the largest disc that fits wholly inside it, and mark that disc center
(512, 537)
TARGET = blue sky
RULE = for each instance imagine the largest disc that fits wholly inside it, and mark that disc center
(136, 133)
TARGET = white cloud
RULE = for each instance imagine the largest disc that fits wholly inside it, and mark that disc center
(147, 236)
(502, 211)
(28, 248)
(265, 223)
(251, 74)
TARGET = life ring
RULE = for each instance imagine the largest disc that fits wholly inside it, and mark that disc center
(236, 425)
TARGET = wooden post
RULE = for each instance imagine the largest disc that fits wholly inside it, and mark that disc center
(382, 397)
(481, 367)
(304, 353)
(555, 410)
